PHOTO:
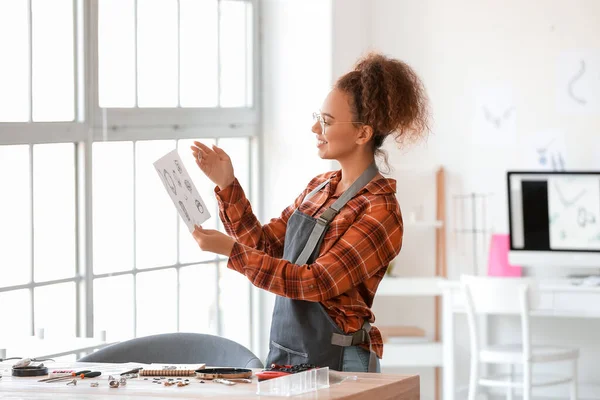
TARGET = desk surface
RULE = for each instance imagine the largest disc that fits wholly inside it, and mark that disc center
(364, 386)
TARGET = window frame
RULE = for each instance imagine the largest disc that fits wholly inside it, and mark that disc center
(188, 122)
(129, 125)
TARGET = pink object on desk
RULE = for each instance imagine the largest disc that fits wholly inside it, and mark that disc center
(498, 258)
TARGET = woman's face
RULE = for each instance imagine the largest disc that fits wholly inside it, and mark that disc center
(341, 137)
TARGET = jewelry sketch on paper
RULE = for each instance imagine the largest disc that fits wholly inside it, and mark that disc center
(187, 216)
(548, 158)
(179, 169)
(543, 151)
(496, 121)
(189, 203)
(578, 81)
(177, 178)
(574, 80)
(169, 181)
(200, 207)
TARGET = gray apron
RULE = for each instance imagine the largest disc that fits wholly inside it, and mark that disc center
(302, 331)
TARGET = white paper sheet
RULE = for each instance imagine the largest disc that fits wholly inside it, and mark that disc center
(495, 116)
(543, 151)
(180, 187)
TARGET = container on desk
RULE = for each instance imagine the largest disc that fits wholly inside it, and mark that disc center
(294, 384)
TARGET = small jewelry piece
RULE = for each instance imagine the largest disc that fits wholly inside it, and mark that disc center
(73, 382)
(123, 382)
(113, 383)
(224, 381)
(168, 383)
(94, 384)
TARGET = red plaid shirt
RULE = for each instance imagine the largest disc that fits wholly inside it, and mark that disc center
(357, 248)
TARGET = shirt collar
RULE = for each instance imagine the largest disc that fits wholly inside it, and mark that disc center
(377, 185)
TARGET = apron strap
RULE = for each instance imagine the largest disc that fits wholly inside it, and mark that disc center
(360, 336)
(327, 216)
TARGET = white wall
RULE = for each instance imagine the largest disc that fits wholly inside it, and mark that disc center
(296, 60)
(464, 46)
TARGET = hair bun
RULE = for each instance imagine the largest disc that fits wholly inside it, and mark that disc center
(388, 96)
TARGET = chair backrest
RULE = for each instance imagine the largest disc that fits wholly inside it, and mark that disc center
(500, 296)
(178, 348)
(496, 295)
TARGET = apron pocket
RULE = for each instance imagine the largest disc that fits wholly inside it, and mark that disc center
(287, 356)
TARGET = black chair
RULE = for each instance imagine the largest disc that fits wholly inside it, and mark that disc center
(178, 348)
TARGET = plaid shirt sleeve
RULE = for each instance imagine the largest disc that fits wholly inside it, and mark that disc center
(365, 248)
(240, 222)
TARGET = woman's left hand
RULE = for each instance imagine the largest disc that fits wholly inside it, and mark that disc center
(213, 241)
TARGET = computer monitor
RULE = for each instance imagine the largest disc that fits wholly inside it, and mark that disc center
(554, 219)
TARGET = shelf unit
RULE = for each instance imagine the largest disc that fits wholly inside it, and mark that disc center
(421, 351)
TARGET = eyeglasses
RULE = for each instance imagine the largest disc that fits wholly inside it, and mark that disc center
(318, 117)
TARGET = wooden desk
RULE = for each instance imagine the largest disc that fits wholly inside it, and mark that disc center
(366, 386)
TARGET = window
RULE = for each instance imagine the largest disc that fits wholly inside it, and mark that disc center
(37, 75)
(165, 53)
(87, 208)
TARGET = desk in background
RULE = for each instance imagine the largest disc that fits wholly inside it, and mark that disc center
(558, 298)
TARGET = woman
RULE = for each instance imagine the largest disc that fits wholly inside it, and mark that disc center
(326, 254)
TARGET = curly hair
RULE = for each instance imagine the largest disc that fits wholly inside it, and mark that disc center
(387, 95)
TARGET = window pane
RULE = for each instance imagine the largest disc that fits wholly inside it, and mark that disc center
(238, 150)
(198, 299)
(249, 55)
(155, 214)
(198, 53)
(156, 302)
(16, 313)
(113, 307)
(54, 211)
(233, 53)
(54, 307)
(188, 248)
(14, 75)
(53, 66)
(157, 53)
(15, 216)
(116, 53)
(234, 297)
(113, 206)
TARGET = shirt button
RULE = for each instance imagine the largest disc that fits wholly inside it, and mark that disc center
(311, 286)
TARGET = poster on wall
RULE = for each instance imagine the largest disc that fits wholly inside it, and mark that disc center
(573, 212)
(543, 151)
(578, 82)
(181, 189)
(495, 116)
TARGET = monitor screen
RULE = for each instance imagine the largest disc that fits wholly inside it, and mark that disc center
(554, 211)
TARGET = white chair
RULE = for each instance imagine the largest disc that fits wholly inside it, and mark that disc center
(510, 296)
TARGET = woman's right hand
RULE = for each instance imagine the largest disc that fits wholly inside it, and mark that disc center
(215, 164)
